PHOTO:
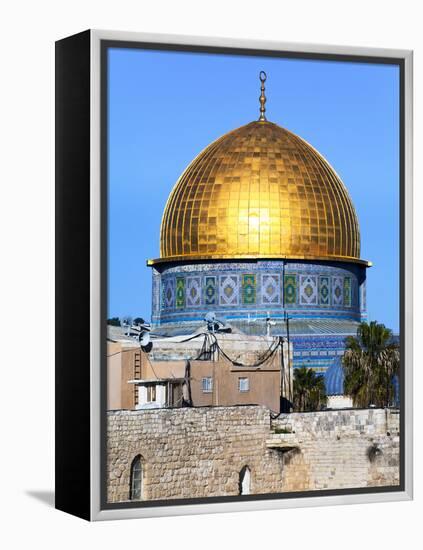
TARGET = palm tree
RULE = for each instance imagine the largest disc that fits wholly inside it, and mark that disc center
(370, 363)
(309, 390)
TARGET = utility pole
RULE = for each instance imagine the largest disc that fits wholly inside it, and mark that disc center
(282, 373)
(287, 319)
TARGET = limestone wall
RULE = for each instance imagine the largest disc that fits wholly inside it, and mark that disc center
(192, 452)
(189, 453)
(339, 449)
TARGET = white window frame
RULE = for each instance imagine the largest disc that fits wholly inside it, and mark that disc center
(243, 380)
(207, 384)
(151, 393)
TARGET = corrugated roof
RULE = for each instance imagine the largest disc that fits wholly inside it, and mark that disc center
(300, 327)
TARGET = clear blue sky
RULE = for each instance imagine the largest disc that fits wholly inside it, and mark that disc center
(165, 107)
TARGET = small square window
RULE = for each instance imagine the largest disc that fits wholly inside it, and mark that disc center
(207, 384)
(243, 384)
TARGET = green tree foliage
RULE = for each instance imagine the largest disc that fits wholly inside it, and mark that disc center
(370, 362)
(309, 390)
(114, 322)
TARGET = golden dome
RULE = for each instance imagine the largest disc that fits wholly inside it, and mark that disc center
(259, 191)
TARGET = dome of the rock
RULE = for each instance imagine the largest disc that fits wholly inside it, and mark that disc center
(259, 191)
(260, 231)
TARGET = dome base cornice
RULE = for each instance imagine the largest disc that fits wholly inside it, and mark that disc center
(217, 257)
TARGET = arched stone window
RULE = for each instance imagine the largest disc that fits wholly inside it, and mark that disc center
(136, 479)
(244, 481)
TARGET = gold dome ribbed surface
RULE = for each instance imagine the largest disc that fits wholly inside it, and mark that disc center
(259, 191)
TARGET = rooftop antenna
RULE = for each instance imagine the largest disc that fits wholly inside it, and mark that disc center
(287, 318)
(127, 322)
(263, 77)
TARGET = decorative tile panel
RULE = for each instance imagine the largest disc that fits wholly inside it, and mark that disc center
(193, 291)
(354, 292)
(324, 291)
(270, 289)
(290, 289)
(308, 289)
(229, 290)
(249, 289)
(180, 291)
(337, 291)
(210, 298)
(347, 291)
(169, 293)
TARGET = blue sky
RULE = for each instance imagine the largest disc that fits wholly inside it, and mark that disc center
(165, 107)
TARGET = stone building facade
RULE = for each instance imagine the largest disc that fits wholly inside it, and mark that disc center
(205, 452)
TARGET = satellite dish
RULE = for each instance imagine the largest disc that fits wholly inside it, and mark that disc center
(210, 317)
(213, 323)
(144, 338)
(148, 347)
(145, 341)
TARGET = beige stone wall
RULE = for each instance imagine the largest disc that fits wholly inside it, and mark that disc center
(191, 452)
(339, 449)
(199, 452)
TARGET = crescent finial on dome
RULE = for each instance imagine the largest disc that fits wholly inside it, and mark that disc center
(263, 77)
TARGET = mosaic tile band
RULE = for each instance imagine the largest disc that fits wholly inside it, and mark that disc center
(233, 289)
(325, 301)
